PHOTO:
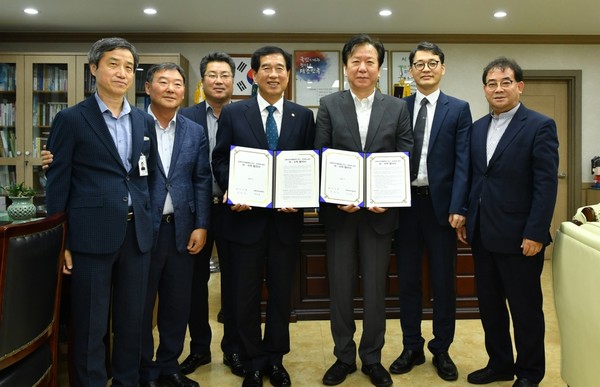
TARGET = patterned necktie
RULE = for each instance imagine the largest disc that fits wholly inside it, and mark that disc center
(418, 135)
(271, 128)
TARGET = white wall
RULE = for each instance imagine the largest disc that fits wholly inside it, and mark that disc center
(464, 65)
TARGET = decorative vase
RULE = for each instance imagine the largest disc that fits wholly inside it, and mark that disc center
(22, 208)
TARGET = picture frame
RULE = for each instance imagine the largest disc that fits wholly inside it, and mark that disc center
(400, 75)
(316, 74)
(243, 81)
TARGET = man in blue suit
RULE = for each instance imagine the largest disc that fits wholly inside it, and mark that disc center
(514, 179)
(180, 192)
(217, 71)
(439, 195)
(263, 240)
(104, 150)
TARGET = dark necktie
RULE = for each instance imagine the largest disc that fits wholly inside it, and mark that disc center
(271, 128)
(418, 135)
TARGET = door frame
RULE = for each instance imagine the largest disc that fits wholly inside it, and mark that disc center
(573, 79)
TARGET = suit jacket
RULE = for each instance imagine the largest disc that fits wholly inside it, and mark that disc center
(196, 113)
(513, 197)
(389, 131)
(189, 182)
(447, 155)
(241, 124)
(87, 178)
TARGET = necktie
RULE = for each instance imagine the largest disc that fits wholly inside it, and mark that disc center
(418, 135)
(271, 128)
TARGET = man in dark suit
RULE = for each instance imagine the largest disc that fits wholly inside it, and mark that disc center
(439, 196)
(217, 71)
(104, 150)
(263, 241)
(180, 192)
(514, 179)
(362, 120)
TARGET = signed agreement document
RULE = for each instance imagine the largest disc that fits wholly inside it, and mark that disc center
(365, 180)
(273, 179)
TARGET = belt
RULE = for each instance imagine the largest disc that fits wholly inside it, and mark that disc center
(129, 216)
(168, 218)
(420, 190)
(216, 199)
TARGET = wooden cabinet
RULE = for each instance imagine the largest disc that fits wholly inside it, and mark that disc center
(33, 88)
(310, 297)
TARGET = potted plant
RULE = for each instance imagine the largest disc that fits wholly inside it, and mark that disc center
(22, 207)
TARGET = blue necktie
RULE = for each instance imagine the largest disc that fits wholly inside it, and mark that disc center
(418, 135)
(271, 128)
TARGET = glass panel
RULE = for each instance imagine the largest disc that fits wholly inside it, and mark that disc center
(8, 98)
(89, 81)
(142, 100)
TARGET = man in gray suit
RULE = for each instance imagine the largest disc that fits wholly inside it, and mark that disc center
(362, 120)
(104, 150)
(180, 191)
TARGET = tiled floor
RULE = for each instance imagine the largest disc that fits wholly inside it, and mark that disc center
(312, 351)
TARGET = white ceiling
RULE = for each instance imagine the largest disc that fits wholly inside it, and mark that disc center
(564, 17)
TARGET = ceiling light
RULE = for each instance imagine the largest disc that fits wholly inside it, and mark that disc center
(268, 11)
(31, 11)
(150, 11)
(500, 14)
(385, 12)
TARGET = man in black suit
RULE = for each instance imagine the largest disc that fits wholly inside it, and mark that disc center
(217, 71)
(263, 241)
(180, 192)
(514, 181)
(361, 120)
(439, 196)
(104, 150)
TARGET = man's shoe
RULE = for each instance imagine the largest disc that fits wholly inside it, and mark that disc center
(234, 361)
(253, 379)
(194, 361)
(522, 382)
(278, 376)
(152, 383)
(177, 380)
(407, 360)
(378, 375)
(446, 369)
(488, 375)
(337, 373)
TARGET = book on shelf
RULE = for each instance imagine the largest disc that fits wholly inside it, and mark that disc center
(4, 137)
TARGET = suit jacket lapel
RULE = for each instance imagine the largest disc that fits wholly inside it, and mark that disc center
(288, 121)
(441, 109)
(254, 118)
(96, 121)
(349, 112)
(514, 127)
(137, 136)
(180, 134)
(377, 111)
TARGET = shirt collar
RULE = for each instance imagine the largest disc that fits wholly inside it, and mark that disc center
(507, 115)
(172, 123)
(365, 102)
(262, 103)
(103, 108)
(431, 98)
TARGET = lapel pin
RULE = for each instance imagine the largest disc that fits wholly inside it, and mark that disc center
(293, 114)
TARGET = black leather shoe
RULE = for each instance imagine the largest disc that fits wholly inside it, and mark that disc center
(407, 360)
(177, 380)
(234, 361)
(378, 375)
(522, 382)
(152, 383)
(446, 369)
(194, 361)
(253, 379)
(337, 373)
(488, 375)
(278, 376)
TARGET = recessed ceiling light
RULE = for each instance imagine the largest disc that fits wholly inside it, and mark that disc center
(268, 11)
(31, 11)
(385, 12)
(500, 14)
(150, 11)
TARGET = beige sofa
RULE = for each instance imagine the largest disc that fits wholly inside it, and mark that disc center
(576, 281)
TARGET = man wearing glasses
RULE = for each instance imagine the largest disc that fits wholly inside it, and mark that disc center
(439, 174)
(514, 167)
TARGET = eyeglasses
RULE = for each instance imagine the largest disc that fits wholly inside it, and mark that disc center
(432, 64)
(224, 76)
(493, 85)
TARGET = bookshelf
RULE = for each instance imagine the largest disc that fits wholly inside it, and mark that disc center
(11, 117)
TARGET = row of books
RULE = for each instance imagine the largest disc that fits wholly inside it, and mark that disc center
(7, 114)
(7, 138)
(7, 77)
(48, 77)
(43, 113)
(7, 176)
